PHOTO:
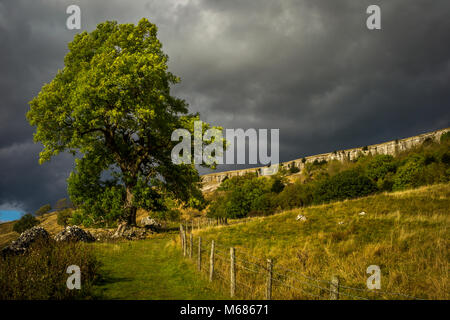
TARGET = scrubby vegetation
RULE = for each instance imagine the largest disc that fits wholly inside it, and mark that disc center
(323, 182)
(26, 222)
(64, 217)
(41, 273)
(43, 210)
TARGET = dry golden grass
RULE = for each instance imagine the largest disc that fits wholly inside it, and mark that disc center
(405, 233)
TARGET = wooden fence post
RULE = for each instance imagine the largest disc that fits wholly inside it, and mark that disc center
(211, 262)
(191, 240)
(269, 280)
(232, 273)
(199, 254)
(181, 236)
(192, 225)
(334, 288)
(184, 244)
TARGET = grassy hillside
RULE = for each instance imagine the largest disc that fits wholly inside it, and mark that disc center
(405, 233)
(6, 233)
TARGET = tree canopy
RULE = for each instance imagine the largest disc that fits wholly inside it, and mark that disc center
(111, 105)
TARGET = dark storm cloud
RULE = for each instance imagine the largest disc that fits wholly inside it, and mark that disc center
(310, 68)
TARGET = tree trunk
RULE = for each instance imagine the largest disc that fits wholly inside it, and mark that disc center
(130, 209)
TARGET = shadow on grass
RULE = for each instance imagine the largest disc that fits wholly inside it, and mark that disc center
(104, 279)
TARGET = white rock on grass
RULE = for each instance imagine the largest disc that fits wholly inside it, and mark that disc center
(362, 213)
(301, 217)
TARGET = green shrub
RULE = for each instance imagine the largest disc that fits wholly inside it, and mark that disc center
(379, 166)
(167, 215)
(445, 137)
(64, 217)
(26, 222)
(344, 185)
(445, 158)
(293, 169)
(386, 183)
(43, 210)
(295, 195)
(240, 195)
(277, 185)
(409, 174)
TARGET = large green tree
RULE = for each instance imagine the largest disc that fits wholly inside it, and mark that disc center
(111, 104)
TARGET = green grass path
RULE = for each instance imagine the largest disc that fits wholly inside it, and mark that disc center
(150, 269)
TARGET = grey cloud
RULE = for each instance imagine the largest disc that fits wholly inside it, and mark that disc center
(310, 68)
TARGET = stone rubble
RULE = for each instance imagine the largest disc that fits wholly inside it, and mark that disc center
(24, 241)
(150, 223)
(74, 234)
(125, 231)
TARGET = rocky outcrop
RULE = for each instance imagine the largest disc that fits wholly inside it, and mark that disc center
(26, 238)
(212, 180)
(125, 231)
(74, 234)
(150, 223)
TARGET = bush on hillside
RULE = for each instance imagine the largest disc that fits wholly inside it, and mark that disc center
(293, 169)
(27, 221)
(277, 185)
(409, 174)
(345, 185)
(64, 217)
(240, 195)
(295, 195)
(379, 166)
(43, 210)
(445, 137)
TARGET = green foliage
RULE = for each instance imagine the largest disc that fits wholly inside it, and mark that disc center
(295, 195)
(112, 104)
(62, 204)
(379, 166)
(277, 185)
(236, 181)
(345, 185)
(63, 217)
(445, 138)
(167, 215)
(43, 210)
(241, 195)
(293, 169)
(408, 175)
(100, 201)
(26, 222)
(168, 211)
(41, 274)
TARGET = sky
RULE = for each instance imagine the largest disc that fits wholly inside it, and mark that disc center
(309, 68)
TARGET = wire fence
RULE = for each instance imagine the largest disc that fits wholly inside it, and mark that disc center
(251, 277)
